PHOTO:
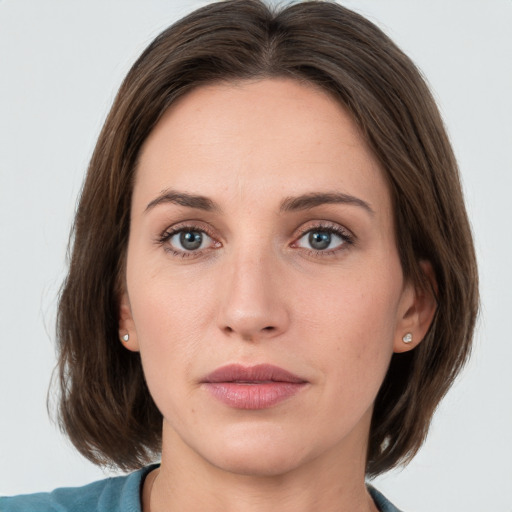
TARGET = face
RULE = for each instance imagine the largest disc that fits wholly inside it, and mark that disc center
(263, 285)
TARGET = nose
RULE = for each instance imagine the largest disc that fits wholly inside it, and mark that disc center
(253, 307)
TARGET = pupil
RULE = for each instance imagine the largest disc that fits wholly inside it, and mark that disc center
(191, 240)
(319, 240)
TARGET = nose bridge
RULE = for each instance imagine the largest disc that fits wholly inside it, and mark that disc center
(251, 306)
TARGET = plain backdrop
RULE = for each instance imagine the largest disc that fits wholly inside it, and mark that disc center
(61, 63)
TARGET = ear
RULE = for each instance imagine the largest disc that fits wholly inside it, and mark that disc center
(417, 309)
(127, 325)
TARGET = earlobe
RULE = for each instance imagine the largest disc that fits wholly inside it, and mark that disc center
(419, 308)
(127, 332)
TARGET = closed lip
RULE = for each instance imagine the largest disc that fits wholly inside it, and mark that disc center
(252, 387)
(260, 373)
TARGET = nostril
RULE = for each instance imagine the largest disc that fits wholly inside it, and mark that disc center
(269, 328)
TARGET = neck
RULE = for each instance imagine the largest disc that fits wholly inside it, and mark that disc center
(185, 481)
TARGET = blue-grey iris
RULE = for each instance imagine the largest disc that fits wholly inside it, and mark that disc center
(319, 240)
(191, 240)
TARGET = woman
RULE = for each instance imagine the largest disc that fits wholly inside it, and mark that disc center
(272, 281)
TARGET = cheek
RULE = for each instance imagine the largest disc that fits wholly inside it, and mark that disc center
(360, 310)
(164, 301)
(169, 317)
(170, 342)
(352, 329)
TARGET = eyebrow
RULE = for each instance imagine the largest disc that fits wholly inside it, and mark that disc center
(297, 203)
(184, 199)
(314, 199)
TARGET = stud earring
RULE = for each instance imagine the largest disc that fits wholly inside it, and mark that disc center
(407, 338)
(125, 337)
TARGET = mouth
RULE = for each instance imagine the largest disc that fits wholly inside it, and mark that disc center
(252, 387)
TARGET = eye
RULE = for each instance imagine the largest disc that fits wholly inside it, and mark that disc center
(187, 241)
(324, 239)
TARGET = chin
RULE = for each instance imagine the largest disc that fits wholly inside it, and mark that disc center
(258, 452)
(261, 463)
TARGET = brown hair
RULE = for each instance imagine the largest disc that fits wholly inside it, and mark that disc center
(105, 405)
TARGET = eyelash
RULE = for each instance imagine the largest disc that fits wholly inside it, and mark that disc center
(346, 236)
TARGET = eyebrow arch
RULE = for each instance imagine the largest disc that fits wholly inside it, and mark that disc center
(183, 199)
(311, 200)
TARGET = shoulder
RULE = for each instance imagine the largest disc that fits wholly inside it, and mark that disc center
(381, 501)
(110, 495)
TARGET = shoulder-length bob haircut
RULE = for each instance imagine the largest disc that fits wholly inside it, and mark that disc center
(105, 406)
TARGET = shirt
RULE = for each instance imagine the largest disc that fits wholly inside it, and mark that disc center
(116, 494)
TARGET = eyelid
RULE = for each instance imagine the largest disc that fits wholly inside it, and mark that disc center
(325, 226)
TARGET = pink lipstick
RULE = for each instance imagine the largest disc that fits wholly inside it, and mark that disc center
(252, 387)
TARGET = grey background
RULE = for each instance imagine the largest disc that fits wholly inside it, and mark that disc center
(61, 63)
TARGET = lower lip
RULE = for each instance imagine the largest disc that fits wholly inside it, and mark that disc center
(253, 395)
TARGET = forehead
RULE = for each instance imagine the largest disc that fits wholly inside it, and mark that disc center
(256, 137)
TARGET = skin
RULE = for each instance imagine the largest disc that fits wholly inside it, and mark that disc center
(257, 292)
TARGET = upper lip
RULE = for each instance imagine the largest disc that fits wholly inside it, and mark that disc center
(256, 373)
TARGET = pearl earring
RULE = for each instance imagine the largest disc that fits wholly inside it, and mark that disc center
(125, 337)
(407, 338)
